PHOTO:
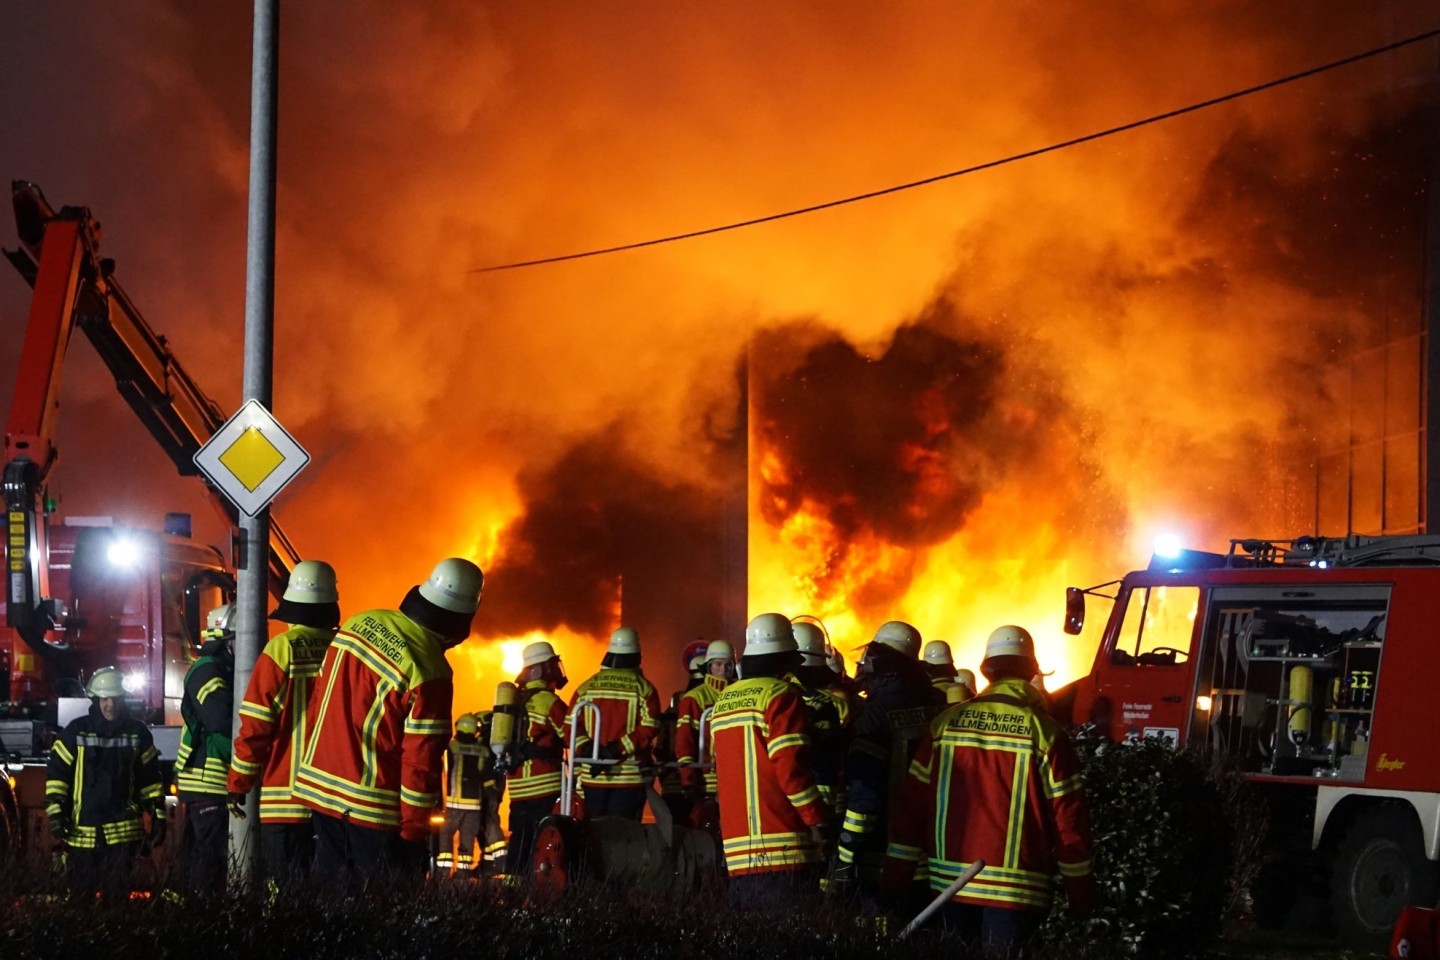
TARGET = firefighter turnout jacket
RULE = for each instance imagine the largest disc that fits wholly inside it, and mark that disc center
(469, 764)
(693, 703)
(827, 715)
(202, 762)
(101, 774)
(629, 707)
(767, 796)
(379, 722)
(539, 744)
(273, 723)
(894, 716)
(996, 778)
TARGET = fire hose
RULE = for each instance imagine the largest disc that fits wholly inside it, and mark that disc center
(970, 873)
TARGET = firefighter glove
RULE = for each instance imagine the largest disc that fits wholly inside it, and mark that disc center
(236, 803)
(60, 826)
(614, 750)
(823, 836)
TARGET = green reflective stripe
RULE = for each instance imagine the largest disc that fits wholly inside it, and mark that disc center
(417, 799)
(54, 809)
(246, 768)
(944, 777)
(79, 785)
(1018, 790)
(209, 687)
(902, 851)
(628, 744)
(1069, 785)
(860, 822)
(1080, 869)
(258, 712)
(752, 788)
(60, 788)
(807, 796)
(377, 662)
(359, 791)
(151, 792)
(845, 854)
(369, 729)
(426, 727)
(739, 718)
(788, 740)
(985, 742)
(63, 752)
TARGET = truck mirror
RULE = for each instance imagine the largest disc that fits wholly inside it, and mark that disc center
(1074, 610)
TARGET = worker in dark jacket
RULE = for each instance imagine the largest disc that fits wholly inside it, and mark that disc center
(103, 773)
(202, 763)
(466, 764)
(899, 705)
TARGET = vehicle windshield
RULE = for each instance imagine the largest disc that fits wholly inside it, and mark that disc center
(1158, 626)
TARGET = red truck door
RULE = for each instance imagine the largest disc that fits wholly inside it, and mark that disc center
(1145, 671)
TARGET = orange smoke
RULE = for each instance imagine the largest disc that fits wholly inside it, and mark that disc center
(1123, 334)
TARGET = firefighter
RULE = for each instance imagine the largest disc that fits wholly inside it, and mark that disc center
(773, 823)
(103, 773)
(535, 758)
(899, 705)
(629, 707)
(996, 779)
(379, 723)
(493, 848)
(202, 763)
(965, 679)
(940, 665)
(829, 710)
(272, 720)
(719, 672)
(467, 763)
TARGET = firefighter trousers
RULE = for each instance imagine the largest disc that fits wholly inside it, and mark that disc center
(205, 846)
(777, 892)
(286, 852)
(467, 824)
(626, 802)
(354, 854)
(1001, 933)
(104, 868)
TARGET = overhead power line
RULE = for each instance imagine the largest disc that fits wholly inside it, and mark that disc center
(990, 164)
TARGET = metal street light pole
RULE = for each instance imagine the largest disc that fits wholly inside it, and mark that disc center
(252, 577)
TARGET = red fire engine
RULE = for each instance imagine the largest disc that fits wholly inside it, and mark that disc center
(82, 595)
(1310, 664)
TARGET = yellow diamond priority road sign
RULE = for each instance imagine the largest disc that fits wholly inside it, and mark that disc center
(251, 458)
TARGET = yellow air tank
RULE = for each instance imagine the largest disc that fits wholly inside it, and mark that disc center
(502, 725)
(1302, 690)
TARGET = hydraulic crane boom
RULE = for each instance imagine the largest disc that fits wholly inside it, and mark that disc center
(74, 287)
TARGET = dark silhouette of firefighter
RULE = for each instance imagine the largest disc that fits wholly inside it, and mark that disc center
(202, 764)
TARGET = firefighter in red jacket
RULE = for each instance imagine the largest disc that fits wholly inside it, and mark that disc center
(719, 672)
(272, 720)
(629, 708)
(996, 779)
(829, 710)
(773, 824)
(379, 723)
(535, 757)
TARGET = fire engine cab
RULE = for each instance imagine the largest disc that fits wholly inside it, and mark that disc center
(1310, 664)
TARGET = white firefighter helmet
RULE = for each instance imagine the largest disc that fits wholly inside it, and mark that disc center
(810, 640)
(219, 621)
(900, 637)
(624, 640)
(719, 650)
(1010, 641)
(697, 663)
(454, 585)
(966, 678)
(466, 723)
(769, 633)
(312, 581)
(937, 652)
(836, 663)
(536, 653)
(106, 682)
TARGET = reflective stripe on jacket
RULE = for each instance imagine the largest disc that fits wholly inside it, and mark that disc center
(687, 729)
(101, 774)
(996, 779)
(379, 722)
(544, 739)
(273, 721)
(465, 765)
(202, 768)
(767, 796)
(628, 706)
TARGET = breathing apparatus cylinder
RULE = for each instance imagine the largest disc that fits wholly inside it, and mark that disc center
(502, 725)
(1302, 689)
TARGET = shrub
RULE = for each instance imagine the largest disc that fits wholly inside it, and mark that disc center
(1167, 831)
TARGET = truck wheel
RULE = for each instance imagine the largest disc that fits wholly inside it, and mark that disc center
(1380, 869)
